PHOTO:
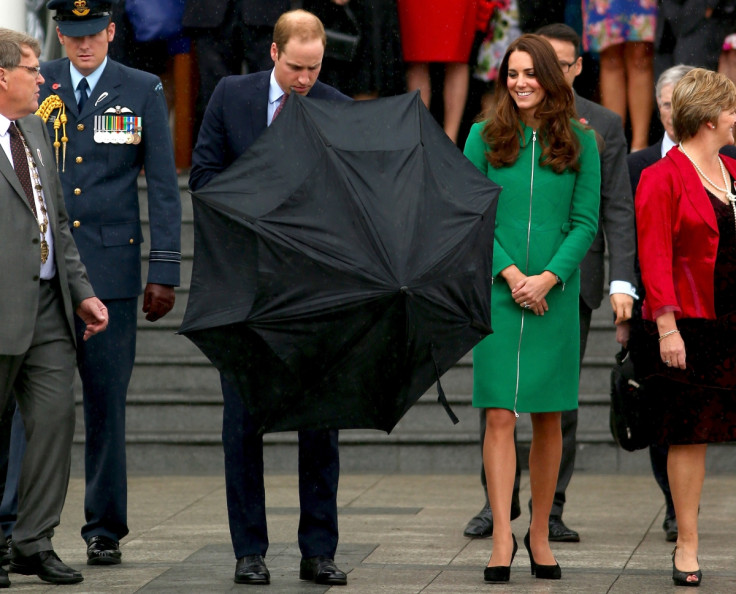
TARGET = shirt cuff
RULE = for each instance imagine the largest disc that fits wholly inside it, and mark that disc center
(618, 286)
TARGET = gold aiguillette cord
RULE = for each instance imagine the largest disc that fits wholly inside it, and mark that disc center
(51, 103)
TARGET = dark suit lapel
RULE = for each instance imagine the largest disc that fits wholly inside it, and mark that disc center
(259, 107)
(6, 168)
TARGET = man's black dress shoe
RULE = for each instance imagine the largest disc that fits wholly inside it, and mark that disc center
(47, 566)
(4, 551)
(322, 570)
(4, 579)
(481, 524)
(670, 528)
(102, 550)
(558, 532)
(251, 569)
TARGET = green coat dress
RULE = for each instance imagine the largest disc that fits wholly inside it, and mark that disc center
(545, 221)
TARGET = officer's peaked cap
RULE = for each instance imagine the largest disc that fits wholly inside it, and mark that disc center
(77, 18)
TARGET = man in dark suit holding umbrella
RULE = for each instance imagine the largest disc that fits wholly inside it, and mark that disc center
(240, 110)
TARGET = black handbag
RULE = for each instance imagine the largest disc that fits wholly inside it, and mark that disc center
(630, 417)
(343, 36)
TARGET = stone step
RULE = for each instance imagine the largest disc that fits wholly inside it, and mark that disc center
(360, 451)
(201, 414)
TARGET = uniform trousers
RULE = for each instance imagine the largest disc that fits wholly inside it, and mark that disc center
(41, 379)
(319, 470)
(105, 364)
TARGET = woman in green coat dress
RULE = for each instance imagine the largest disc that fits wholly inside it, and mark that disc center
(548, 166)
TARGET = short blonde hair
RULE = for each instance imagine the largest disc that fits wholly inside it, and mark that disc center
(301, 24)
(700, 97)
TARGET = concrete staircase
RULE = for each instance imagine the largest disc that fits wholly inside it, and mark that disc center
(174, 409)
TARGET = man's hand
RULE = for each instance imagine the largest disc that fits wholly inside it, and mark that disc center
(94, 314)
(622, 334)
(622, 305)
(157, 301)
(340, 2)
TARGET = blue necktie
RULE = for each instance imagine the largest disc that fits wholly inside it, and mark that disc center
(82, 88)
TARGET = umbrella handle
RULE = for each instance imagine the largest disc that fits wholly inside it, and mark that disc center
(441, 398)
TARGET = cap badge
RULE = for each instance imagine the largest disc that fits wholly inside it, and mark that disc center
(80, 8)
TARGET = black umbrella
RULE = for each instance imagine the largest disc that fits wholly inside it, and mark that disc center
(342, 264)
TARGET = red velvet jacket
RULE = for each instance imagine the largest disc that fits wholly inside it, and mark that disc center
(678, 238)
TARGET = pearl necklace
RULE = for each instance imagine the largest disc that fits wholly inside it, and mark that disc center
(730, 196)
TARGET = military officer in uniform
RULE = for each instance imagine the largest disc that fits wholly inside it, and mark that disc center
(106, 122)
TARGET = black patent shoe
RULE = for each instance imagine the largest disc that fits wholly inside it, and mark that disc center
(681, 577)
(322, 570)
(542, 572)
(47, 566)
(251, 569)
(500, 573)
(102, 550)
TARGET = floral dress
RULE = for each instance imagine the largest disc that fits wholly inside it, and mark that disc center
(612, 22)
(503, 28)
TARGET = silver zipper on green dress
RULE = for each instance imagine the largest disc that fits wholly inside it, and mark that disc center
(526, 267)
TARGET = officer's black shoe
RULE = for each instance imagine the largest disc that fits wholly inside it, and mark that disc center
(558, 532)
(102, 550)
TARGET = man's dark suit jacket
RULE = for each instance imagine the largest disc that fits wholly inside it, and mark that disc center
(617, 221)
(207, 14)
(236, 116)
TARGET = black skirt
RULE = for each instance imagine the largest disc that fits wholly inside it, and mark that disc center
(697, 404)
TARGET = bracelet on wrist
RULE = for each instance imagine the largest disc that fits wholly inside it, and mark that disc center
(666, 334)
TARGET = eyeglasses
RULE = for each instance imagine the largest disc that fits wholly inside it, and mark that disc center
(665, 106)
(567, 65)
(34, 70)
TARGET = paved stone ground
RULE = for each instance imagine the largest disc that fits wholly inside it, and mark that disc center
(399, 534)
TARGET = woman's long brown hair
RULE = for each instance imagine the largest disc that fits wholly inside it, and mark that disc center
(560, 145)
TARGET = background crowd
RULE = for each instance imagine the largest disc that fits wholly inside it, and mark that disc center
(448, 50)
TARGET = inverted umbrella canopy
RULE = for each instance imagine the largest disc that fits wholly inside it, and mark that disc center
(342, 264)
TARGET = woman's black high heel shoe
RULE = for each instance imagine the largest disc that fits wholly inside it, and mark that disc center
(500, 573)
(680, 577)
(542, 572)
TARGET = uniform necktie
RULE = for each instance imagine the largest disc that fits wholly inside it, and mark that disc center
(20, 164)
(284, 97)
(82, 88)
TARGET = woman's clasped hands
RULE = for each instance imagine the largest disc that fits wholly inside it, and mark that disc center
(530, 292)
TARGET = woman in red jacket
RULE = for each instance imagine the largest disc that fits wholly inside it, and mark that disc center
(685, 210)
